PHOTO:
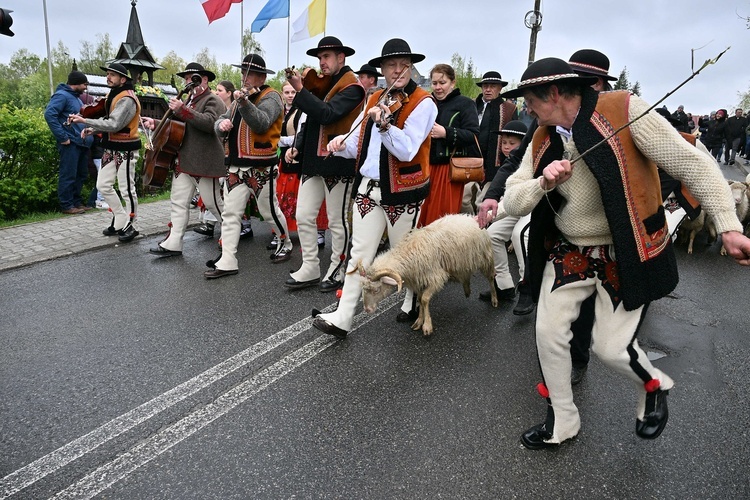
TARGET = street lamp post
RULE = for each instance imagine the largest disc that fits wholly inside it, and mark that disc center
(533, 21)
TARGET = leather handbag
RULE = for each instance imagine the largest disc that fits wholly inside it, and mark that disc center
(467, 169)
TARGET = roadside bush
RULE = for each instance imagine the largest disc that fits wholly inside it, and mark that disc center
(27, 147)
(26, 196)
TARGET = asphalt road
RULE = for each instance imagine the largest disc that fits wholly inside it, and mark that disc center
(125, 376)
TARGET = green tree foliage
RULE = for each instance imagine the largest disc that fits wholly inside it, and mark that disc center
(623, 83)
(172, 63)
(466, 80)
(94, 56)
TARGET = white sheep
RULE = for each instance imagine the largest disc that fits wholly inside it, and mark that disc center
(741, 195)
(451, 248)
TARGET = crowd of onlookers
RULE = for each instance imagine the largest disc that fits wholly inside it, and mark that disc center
(719, 132)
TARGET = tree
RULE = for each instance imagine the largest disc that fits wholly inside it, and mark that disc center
(172, 63)
(623, 83)
(250, 44)
(93, 56)
(465, 77)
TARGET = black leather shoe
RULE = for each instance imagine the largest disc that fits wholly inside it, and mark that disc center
(533, 438)
(281, 256)
(110, 231)
(656, 416)
(127, 233)
(329, 328)
(274, 243)
(525, 304)
(330, 285)
(407, 317)
(218, 273)
(163, 252)
(298, 285)
(577, 374)
(205, 229)
(246, 232)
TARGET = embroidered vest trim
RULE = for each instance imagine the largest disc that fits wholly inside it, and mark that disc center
(128, 138)
(245, 147)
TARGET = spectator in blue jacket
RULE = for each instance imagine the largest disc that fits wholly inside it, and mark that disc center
(74, 151)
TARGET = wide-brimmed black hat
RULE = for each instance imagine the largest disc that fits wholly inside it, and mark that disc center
(330, 43)
(396, 47)
(515, 127)
(546, 71)
(116, 68)
(368, 70)
(254, 62)
(195, 67)
(591, 62)
(492, 77)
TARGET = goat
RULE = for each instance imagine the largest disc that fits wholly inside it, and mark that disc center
(450, 248)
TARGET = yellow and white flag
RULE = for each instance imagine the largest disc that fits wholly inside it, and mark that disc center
(312, 21)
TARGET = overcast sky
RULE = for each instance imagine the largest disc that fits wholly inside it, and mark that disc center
(652, 38)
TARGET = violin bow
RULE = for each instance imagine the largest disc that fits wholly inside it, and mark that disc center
(364, 116)
(695, 73)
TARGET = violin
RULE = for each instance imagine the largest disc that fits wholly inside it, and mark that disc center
(318, 85)
(95, 110)
(245, 93)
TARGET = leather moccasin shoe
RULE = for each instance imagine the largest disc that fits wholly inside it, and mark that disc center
(282, 255)
(110, 231)
(407, 317)
(298, 285)
(219, 273)
(656, 416)
(504, 294)
(525, 304)
(73, 211)
(534, 438)
(163, 252)
(329, 328)
(127, 233)
(577, 374)
(330, 285)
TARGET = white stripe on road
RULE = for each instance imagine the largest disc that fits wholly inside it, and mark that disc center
(122, 466)
(42, 467)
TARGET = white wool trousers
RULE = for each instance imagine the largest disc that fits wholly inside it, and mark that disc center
(119, 166)
(613, 336)
(336, 193)
(183, 190)
(235, 201)
(369, 220)
(503, 229)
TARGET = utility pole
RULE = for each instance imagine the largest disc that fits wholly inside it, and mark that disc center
(533, 21)
(49, 56)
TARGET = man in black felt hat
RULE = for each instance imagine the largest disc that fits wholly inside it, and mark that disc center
(619, 251)
(121, 143)
(331, 103)
(252, 127)
(368, 77)
(200, 158)
(494, 113)
(392, 150)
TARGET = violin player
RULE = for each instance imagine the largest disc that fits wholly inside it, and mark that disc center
(200, 158)
(331, 102)
(252, 127)
(121, 143)
(386, 198)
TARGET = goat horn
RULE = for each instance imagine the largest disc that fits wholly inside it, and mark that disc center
(391, 274)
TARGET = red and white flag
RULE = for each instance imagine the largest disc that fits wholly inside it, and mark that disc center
(216, 9)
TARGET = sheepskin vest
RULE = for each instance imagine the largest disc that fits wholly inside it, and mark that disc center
(401, 182)
(248, 148)
(126, 139)
(631, 195)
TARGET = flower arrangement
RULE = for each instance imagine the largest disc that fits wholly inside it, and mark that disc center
(141, 90)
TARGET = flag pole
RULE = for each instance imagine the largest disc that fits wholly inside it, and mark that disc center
(288, 32)
(242, 30)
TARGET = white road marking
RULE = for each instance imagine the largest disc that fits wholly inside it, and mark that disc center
(42, 467)
(122, 466)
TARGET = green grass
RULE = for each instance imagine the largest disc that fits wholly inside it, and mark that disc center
(41, 217)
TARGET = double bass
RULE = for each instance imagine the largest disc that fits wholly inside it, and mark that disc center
(164, 144)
